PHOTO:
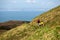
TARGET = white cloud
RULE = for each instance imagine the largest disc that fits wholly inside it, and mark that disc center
(30, 1)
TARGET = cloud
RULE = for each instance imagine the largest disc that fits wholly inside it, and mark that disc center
(31, 1)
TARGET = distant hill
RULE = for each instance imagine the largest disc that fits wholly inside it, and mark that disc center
(11, 24)
(31, 31)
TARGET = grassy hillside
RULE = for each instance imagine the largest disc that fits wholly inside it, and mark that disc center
(31, 31)
(47, 16)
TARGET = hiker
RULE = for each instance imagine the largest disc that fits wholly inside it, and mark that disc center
(40, 23)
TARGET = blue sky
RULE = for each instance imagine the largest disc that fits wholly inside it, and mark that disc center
(28, 5)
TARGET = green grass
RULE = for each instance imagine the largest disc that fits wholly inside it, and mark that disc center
(18, 33)
(33, 33)
(45, 33)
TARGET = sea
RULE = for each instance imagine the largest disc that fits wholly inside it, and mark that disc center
(18, 15)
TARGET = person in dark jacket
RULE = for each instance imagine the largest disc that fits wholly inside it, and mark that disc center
(40, 23)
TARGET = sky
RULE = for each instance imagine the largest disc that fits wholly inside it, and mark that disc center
(28, 5)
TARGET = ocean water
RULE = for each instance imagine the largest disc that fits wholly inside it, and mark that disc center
(18, 15)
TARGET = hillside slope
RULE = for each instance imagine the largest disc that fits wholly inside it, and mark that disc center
(47, 16)
(50, 31)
